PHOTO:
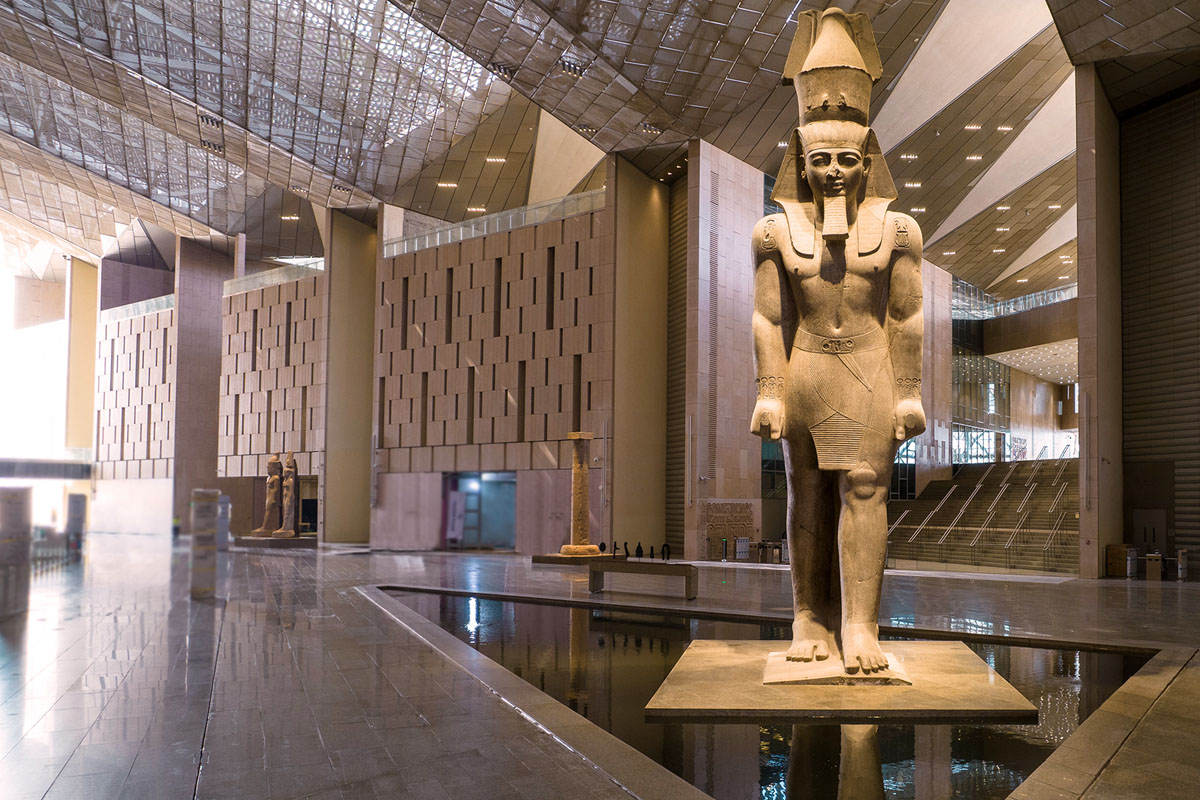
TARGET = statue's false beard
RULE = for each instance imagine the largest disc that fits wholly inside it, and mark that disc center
(834, 226)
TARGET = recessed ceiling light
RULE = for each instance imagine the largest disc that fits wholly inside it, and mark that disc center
(971, 127)
(908, 156)
(1055, 205)
(974, 158)
(1001, 230)
(1004, 128)
(949, 252)
(998, 250)
(1022, 280)
(783, 144)
(496, 159)
(476, 208)
(1063, 277)
(917, 210)
(912, 184)
(1003, 208)
(290, 217)
(1064, 257)
(447, 185)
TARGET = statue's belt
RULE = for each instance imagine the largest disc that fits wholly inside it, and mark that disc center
(839, 345)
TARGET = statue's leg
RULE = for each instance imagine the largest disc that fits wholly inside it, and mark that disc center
(812, 497)
(860, 775)
(862, 545)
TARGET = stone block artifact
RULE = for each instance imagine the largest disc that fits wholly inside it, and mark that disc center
(271, 513)
(287, 529)
(837, 333)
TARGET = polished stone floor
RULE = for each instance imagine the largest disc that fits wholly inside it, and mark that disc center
(293, 684)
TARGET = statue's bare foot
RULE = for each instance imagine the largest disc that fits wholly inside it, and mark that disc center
(860, 649)
(810, 639)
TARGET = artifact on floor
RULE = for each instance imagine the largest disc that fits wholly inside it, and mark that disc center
(666, 552)
(271, 513)
(580, 510)
(288, 528)
(837, 332)
(580, 549)
(638, 551)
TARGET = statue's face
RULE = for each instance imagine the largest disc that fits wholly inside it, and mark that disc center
(833, 171)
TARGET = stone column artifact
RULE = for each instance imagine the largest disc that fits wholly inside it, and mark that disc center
(288, 529)
(580, 513)
(271, 514)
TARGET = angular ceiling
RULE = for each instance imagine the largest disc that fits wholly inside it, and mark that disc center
(215, 117)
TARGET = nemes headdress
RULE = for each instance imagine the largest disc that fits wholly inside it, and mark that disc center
(833, 63)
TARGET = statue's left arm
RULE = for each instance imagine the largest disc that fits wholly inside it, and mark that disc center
(906, 327)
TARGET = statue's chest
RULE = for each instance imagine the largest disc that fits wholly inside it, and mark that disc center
(833, 264)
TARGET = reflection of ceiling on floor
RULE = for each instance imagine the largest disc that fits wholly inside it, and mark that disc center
(1056, 362)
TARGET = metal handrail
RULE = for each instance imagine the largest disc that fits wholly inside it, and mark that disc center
(1054, 531)
(987, 472)
(1061, 469)
(1016, 529)
(1011, 470)
(999, 494)
(1042, 453)
(1025, 500)
(986, 523)
(899, 519)
(936, 509)
(1066, 449)
(960, 513)
(1057, 497)
(1033, 472)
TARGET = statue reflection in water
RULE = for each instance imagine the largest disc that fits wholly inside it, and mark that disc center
(816, 750)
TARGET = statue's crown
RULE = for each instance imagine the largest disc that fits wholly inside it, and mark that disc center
(833, 63)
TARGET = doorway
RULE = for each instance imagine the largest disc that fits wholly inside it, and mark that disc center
(481, 510)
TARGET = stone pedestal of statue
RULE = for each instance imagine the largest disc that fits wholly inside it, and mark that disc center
(727, 681)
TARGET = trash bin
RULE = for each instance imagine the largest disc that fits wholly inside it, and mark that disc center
(1154, 566)
(1131, 565)
(1182, 555)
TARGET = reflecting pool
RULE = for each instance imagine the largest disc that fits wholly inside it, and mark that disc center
(606, 664)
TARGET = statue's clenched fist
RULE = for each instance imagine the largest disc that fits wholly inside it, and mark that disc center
(767, 420)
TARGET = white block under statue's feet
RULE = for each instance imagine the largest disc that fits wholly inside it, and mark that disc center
(830, 672)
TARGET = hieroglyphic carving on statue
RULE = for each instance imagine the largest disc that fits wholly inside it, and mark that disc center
(838, 315)
(271, 513)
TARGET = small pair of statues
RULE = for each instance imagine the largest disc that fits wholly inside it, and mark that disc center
(280, 475)
(838, 330)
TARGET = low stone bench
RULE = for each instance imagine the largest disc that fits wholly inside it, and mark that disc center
(688, 572)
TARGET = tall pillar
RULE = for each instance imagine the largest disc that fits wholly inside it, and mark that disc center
(200, 275)
(83, 282)
(1101, 501)
(350, 250)
(640, 358)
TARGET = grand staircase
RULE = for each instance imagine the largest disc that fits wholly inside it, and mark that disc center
(1023, 515)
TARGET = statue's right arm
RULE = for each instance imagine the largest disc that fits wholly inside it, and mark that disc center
(771, 295)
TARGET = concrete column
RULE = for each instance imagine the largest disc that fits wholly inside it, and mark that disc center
(83, 283)
(640, 358)
(350, 251)
(200, 275)
(1101, 478)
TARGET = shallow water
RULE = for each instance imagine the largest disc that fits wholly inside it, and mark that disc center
(606, 665)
